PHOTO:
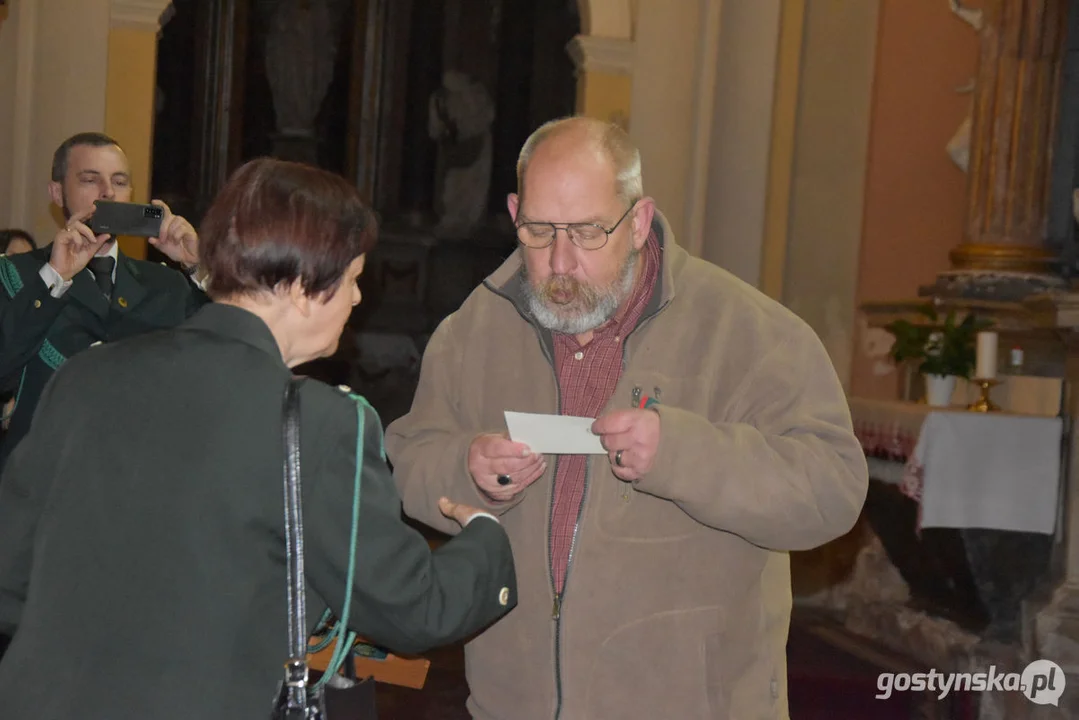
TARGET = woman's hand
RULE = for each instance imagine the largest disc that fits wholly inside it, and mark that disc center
(458, 512)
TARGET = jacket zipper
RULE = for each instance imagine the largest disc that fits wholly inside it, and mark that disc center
(559, 597)
(556, 611)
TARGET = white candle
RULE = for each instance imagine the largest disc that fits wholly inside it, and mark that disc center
(987, 356)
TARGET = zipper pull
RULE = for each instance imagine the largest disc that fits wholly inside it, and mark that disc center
(636, 396)
(557, 611)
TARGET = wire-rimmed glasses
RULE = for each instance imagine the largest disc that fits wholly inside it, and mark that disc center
(587, 236)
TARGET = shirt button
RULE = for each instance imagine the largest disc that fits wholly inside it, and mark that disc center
(578, 355)
(618, 338)
(37, 303)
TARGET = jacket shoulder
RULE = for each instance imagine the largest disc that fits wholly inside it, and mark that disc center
(329, 396)
(155, 273)
(709, 294)
(35, 258)
(337, 401)
(341, 411)
(17, 270)
(707, 285)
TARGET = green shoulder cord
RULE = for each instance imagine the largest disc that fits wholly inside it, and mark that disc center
(12, 283)
(344, 637)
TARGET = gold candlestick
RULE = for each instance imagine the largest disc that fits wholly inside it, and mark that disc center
(984, 404)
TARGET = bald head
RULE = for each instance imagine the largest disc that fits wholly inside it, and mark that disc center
(567, 137)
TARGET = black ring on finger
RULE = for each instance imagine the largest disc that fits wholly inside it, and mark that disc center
(618, 458)
(504, 479)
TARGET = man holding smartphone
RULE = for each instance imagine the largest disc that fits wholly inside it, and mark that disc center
(80, 289)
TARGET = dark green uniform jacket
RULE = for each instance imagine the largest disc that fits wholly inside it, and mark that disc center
(39, 332)
(142, 548)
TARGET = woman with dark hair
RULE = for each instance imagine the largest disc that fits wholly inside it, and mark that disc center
(14, 241)
(142, 530)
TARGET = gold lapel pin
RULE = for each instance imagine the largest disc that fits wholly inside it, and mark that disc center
(122, 302)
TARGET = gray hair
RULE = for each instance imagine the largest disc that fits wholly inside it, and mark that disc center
(615, 143)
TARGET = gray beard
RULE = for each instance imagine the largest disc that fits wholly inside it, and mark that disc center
(606, 305)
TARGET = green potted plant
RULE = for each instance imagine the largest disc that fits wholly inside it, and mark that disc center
(944, 350)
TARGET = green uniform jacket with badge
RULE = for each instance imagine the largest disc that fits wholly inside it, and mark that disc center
(142, 548)
(39, 332)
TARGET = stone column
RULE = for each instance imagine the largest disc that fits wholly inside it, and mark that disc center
(1016, 97)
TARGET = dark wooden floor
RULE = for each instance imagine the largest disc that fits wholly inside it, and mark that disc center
(832, 675)
(442, 697)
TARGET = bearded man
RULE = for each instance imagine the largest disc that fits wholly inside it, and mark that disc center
(654, 580)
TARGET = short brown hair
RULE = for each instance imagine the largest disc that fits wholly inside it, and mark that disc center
(60, 157)
(278, 222)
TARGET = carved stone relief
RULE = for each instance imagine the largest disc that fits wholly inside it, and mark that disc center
(460, 115)
(301, 49)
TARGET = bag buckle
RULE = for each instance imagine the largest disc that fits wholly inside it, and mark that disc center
(296, 674)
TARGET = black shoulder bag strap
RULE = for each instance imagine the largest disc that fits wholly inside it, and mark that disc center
(297, 700)
(296, 668)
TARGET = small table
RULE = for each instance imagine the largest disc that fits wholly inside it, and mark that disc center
(971, 566)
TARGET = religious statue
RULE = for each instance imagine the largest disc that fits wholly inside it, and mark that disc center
(301, 49)
(460, 114)
(959, 146)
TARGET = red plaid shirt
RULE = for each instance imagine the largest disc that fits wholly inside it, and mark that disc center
(587, 375)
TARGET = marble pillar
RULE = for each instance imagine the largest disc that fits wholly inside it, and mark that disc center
(1016, 100)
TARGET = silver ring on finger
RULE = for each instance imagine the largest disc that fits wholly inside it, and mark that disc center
(618, 458)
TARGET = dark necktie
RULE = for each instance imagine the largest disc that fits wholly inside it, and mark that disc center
(101, 267)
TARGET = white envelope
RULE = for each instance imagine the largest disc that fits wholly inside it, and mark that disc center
(554, 434)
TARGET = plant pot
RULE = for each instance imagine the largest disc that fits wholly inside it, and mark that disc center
(939, 390)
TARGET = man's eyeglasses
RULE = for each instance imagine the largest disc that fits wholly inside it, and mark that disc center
(587, 236)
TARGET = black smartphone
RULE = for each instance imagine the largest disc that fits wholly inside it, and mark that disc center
(122, 218)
